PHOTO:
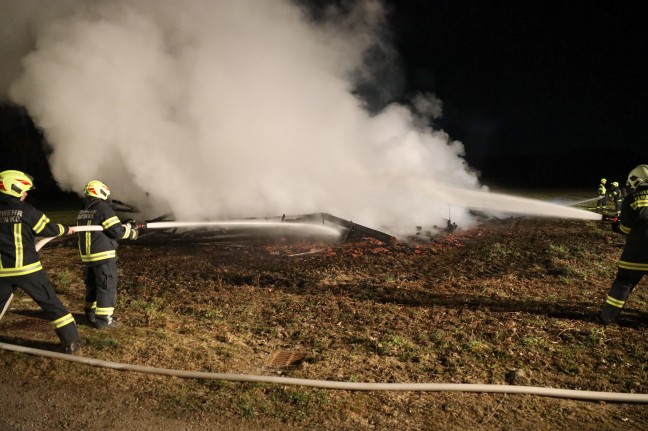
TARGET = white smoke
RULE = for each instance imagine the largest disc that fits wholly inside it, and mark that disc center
(225, 108)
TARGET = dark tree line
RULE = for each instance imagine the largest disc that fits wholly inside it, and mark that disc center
(24, 147)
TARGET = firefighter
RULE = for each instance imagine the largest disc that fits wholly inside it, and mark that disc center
(617, 197)
(19, 262)
(99, 255)
(633, 264)
(601, 204)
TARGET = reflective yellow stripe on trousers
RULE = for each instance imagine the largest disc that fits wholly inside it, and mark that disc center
(105, 311)
(65, 320)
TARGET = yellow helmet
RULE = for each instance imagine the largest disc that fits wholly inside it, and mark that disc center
(615, 184)
(14, 183)
(637, 176)
(97, 189)
(603, 181)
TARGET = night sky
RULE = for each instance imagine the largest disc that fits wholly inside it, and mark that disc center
(540, 93)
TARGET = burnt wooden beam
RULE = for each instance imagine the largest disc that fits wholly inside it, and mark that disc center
(355, 231)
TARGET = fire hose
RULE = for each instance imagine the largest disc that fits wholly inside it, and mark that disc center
(349, 386)
(322, 384)
(40, 245)
(293, 226)
(312, 227)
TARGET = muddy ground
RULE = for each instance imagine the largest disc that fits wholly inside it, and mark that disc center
(508, 302)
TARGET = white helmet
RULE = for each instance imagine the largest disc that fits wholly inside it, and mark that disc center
(637, 176)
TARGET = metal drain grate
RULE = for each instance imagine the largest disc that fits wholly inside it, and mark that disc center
(284, 358)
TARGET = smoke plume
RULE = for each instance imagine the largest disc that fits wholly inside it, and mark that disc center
(226, 108)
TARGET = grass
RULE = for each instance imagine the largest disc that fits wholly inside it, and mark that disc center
(499, 252)
(103, 343)
(477, 312)
(64, 281)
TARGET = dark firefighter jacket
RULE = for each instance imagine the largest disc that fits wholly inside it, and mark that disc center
(634, 224)
(97, 246)
(616, 194)
(20, 223)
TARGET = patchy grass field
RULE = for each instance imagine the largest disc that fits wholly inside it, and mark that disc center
(509, 302)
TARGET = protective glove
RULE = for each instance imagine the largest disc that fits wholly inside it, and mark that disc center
(134, 228)
(616, 226)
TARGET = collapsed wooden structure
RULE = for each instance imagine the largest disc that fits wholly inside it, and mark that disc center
(349, 231)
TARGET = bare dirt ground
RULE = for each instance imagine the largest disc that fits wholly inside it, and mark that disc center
(508, 302)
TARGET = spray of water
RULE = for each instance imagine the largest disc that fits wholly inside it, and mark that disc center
(291, 227)
(232, 108)
(497, 202)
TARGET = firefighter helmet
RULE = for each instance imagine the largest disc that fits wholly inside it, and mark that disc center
(97, 189)
(603, 181)
(615, 184)
(637, 176)
(14, 183)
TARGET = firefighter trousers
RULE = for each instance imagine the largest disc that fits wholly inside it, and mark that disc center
(602, 202)
(39, 288)
(622, 286)
(101, 291)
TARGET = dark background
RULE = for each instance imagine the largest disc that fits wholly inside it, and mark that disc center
(542, 94)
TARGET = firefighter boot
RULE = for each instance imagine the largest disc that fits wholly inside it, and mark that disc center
(69, 336)
(74, 347)
(90, 315)
(608, 314)
(616, 298)
(105, 322)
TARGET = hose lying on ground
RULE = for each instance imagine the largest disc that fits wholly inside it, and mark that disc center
(349, 386)
(327, 384)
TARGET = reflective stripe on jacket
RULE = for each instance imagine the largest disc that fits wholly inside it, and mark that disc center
(616, 195)
(634, 224)
(97, 246)
(601, 190)
(20, 223)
